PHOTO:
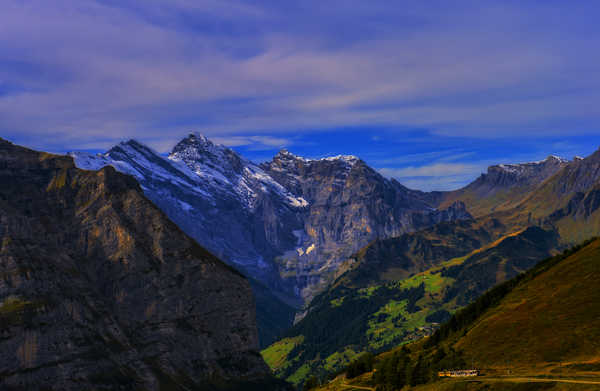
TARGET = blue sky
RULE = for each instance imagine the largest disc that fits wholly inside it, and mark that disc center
(428, 92)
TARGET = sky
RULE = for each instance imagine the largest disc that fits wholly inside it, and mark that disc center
(428, 92)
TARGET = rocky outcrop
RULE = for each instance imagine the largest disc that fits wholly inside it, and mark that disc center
(100, 290)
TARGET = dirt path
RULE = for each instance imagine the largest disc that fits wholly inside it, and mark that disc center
(538, 380)
(357, 387)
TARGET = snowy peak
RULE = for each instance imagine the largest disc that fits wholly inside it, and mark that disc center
(530, 168)
(285, 155)
(229, 173)
(531, 173)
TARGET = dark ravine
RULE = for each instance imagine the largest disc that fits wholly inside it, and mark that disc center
(100, 290)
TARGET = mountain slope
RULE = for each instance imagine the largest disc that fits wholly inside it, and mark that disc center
(537, 331)
(362, 312)
(504, 186)
(100, 290)
(225, 203)
(348, 205)
(287, 224)
(554, 314)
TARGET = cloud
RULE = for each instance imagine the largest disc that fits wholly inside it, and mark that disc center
(432, 170)
(256, 143)
(95, 72)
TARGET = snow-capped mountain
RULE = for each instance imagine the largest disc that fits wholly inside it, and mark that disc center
(227, 203)
(289, 222)
(349, 205)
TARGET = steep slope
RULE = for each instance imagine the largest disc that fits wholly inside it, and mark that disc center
(99, 290)
(504, 186)
(367, 311)
(537, 331)
(225, 203)
(348, 205)
(288, 223)
(548, 318)
(570, 201)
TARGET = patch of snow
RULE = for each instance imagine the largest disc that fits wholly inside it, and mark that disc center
(298, 202)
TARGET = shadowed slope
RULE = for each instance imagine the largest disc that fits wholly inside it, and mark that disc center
(99, 290)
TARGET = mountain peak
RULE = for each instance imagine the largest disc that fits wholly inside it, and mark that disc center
(287, 155)
(284, 154)
(554, 158)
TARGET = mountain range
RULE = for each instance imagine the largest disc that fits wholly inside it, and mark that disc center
(340, 259)
(287, 224)
(400, 289)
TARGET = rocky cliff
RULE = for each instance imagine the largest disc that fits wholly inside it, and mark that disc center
(503, 187)
(100, 290)
(289, 222)
(348, 205)
(226, 203)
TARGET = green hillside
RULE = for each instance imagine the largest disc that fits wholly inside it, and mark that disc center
(537, 331)
(347, 320)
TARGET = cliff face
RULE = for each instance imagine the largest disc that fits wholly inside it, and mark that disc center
(99, 290)
(504, 186)
(348, 205)
(287, 223)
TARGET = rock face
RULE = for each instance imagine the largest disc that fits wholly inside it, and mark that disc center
(287, 223)
(227, 204)
(504, 186)
(100, 290)
(349, 205)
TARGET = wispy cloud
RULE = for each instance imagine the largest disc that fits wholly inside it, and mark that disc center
(75, 72)
(436, 176)
(256, 143)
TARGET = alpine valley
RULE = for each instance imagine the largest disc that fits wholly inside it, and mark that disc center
(400, 289)
(342, 263)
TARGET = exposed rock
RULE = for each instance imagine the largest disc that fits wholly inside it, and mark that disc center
(99, 290)
(349, 205)
(287, 223)
(228, 204)
(503, 187)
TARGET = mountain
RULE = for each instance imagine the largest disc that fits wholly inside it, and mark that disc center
(100, 290)
(348, 205)
(569, 201)
(503, 186)
(287, 224)
(227, 204)
(399, 289)
(224, 201)
(536, 331)
(366, 311)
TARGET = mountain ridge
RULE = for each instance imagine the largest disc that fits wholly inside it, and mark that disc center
(100, 289)
(278, 225)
